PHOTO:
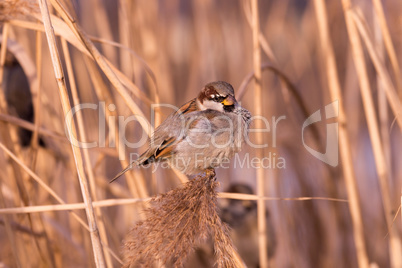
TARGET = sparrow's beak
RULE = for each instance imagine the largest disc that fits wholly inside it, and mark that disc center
(229, 101)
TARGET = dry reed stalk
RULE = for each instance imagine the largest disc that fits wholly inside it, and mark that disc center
(73, 206)
(392, 96)
(286, 83)
(131, 86)
(132, 201)
(147, 44)
(268, 51)
(255, 197)
(24, 60)
(130, 179)
(395, 246)
(261, 207)
(9, 232)
(143, 63)
(7, 134)
(263, 42)
(182, 177)
(96, 242)
(42, 184)
(344, 144)
(76, 37)
(36, 99)
(388, 45)
(317, 138)
(137, 188)
(108, 70)
(59, 26)
(175, 222)
(83, 136)
(383, 114)
(202, 21)
(28, 125)
(35, 222)
(56, 196)
(103, 27)
(46, 187)
(125, 38)
(286, 87)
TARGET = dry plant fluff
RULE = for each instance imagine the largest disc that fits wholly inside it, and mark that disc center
(12, 9)
(176, 222)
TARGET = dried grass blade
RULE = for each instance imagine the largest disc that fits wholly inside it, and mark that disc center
(83, 136)
(388, 45)
(96, 242)
(261, 207)
(344, 143)
(395, 246)
(389, 88)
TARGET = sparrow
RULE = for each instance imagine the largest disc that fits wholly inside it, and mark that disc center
(201, 134)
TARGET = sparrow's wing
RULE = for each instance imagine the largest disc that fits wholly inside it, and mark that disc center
(187, 108)
(164, 150)
(157, 153)
(168, 134)
(165, 138)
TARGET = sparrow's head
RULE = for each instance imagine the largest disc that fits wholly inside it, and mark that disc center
(217, 96)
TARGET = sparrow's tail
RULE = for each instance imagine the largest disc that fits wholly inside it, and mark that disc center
(124, 171)
(144, 159)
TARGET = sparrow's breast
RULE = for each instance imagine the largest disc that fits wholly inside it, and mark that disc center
(210, 139)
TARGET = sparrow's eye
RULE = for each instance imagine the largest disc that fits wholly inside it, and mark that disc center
(217, 98)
